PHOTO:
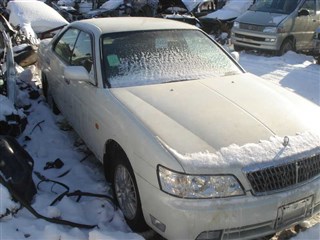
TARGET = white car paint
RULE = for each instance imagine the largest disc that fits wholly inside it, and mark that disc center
(191, 116)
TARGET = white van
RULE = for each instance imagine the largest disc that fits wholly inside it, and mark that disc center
(277, 25)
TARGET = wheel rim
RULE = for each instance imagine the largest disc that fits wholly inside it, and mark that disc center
(287, 47)
(125, 192)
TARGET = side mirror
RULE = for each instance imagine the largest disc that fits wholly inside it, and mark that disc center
(303, 12)
(76, 73)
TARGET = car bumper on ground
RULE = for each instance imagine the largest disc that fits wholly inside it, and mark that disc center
(244, 217)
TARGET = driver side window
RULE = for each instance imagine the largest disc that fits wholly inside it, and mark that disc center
(64, 47)
(82, 53)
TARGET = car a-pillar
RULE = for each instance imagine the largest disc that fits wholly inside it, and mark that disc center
(119, 173)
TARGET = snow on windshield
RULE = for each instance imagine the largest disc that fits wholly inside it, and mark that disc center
(151, 57)
(275, 6)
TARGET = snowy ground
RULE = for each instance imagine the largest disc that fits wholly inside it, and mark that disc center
(296, 72)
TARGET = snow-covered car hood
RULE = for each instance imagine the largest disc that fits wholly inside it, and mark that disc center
(41, 16)
(192, 4)
(231, 10)
(207, 115)
(262, 18)
(111, 4)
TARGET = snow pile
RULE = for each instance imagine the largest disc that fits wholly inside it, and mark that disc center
(312, 234)
(45, 142)
(265, 152)
(7, 108)
(7, 205)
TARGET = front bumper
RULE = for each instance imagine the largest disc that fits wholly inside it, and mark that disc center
(256, 40)
(245, 217)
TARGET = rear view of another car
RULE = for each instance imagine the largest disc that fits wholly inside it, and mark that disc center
(316, 44)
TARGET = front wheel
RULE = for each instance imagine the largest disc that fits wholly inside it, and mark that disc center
(127, 195)
(286, 46)
(47, 94)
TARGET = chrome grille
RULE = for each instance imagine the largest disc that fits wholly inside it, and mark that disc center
(287, 175)
(251, 27)
(260, 39)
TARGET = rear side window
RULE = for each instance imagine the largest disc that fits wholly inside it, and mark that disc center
(65, 45)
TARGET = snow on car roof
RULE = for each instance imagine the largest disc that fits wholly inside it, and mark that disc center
(126, 24)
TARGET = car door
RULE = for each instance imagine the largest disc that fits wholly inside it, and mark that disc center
(58, 60)
(304, 26)
(83, 95)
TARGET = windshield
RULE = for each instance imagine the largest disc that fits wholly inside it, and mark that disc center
(275, 6)
(153, 57)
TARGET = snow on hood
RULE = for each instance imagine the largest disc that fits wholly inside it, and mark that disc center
(232, 9)
(251, 154)
(217, 112)
(37, 13)
(262, 18)
(112, 4)
(66, 3)
(191, 4)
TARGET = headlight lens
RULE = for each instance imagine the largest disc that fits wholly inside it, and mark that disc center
(198, 186)
(236, 24)
(270, 30)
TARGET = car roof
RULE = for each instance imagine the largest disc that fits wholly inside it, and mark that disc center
(128, 24)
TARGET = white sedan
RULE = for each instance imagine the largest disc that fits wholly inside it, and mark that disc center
(195, 147)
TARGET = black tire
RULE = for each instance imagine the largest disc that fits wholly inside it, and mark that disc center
(286, 46)
(126, 192)
(48, 96)
(44, 83)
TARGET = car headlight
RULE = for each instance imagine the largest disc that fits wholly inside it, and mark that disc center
(236, 24)
(270, 30)
(198, 186)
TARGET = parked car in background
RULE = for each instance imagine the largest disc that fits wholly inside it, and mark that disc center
(117, 8)
(188, 11)
(277, 25)
(194, 146)
(316, 44)
(222, 19)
